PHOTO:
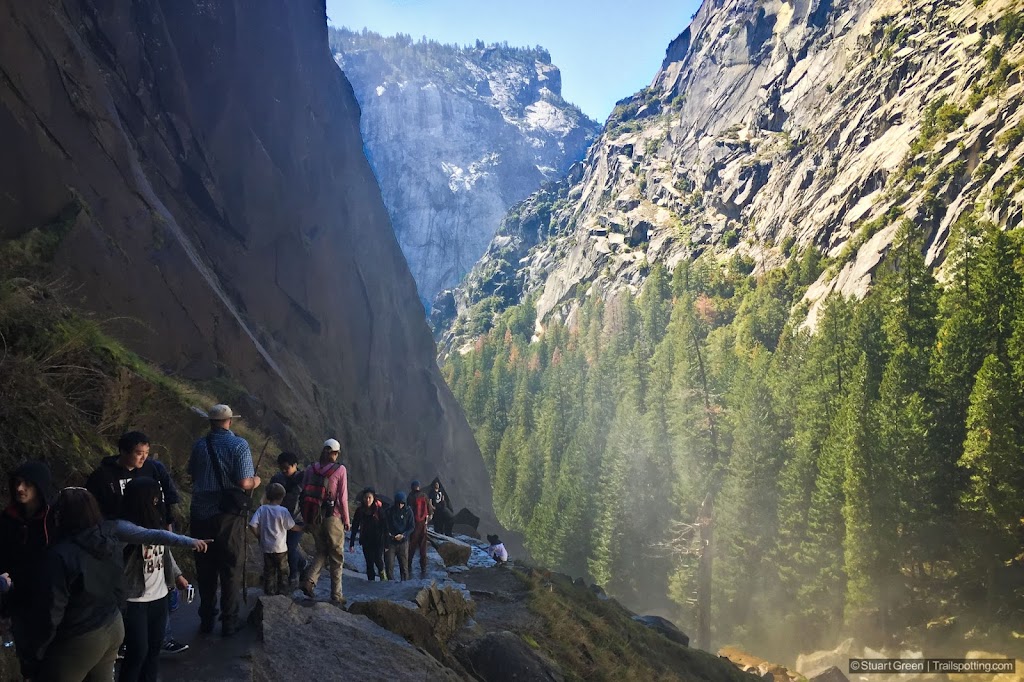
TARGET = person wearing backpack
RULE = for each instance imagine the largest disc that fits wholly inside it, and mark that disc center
(290, 478)
(222, 474)
(323, 504)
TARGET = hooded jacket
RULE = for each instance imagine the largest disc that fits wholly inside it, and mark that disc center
(399, 522)
(85, 576)
(369, 523)
(23, 541)
(108, 481)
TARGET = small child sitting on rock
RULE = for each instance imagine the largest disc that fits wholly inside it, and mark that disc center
(497, 550)
(271, 524)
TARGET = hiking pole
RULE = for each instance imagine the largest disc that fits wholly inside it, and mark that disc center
(245, 545)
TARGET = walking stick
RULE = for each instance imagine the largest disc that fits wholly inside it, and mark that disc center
(245, 545)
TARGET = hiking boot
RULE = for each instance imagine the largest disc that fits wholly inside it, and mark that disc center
(173, 646)
(206, 626)
(307, 589)
(339, 600)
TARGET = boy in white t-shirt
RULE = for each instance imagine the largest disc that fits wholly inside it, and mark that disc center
(271, 524)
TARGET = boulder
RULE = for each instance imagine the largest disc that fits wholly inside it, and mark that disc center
(830, 674)
(408, 623)
(504, 657)
(454, 553)
(296, 634)
(665, 627)
(467, 518)
(446, 610)
(468, 531)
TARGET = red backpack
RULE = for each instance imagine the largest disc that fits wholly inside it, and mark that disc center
(316, 502)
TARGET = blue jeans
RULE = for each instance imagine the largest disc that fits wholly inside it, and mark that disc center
(294, 555)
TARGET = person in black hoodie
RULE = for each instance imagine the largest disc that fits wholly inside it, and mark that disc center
(26, 529)
(400, 525)
(83, 595)
(368, 521)
(108, 481)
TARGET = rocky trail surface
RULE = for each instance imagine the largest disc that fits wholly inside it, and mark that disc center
(475, 620)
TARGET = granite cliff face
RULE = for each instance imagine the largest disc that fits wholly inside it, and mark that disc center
(222, 219)
(774, 126)
(456, 136)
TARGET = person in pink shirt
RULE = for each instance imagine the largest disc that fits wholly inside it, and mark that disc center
(324, 508)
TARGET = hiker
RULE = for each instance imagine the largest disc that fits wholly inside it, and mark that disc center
(26, 529)
(222, 474)
(497, 549)
(107, 484)
(290, 478)
(400, 524)
(421, 510)
(81, 597)
(368, 521)
(108, 480)
(150, 575)
(271, 524)
(324, 508)
(444, 517)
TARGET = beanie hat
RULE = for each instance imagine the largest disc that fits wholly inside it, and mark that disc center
(399, 497)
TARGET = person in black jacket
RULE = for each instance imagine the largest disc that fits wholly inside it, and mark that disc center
(83, 595)
(368, 521)
(400, 524)
(290, 478)
(26, 529)
(108, 481)
(444, 515)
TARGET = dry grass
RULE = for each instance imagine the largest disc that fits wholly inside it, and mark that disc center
(595, 639)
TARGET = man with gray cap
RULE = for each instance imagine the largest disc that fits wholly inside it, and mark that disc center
(222, 474)
(324, 506)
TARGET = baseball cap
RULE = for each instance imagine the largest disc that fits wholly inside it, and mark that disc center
(334, 445)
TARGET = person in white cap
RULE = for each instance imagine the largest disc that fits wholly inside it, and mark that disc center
(222, 473)
(324, 507)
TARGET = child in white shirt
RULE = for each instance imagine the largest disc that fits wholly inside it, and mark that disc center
(271, 524)
(497, 549)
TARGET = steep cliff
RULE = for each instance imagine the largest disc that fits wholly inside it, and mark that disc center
(773, 126)
(220, 218)
(456, 136)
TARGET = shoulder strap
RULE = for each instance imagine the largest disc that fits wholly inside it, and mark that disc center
(214, 462)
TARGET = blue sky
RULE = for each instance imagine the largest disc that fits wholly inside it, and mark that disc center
(606, 49)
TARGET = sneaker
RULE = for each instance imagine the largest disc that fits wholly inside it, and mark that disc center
(120, 652)
(206, 626)
(339, 601)
(307, 589)
(172, 646)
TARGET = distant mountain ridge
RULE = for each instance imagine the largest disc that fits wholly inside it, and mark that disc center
(774, 126)
(456, 136)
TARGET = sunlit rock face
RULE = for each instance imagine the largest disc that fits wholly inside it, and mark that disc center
(456, 136)
(771, 127)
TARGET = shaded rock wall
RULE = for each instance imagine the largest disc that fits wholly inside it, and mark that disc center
(232, 231)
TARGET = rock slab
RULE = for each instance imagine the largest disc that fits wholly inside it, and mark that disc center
(504, 657)
(296, 637)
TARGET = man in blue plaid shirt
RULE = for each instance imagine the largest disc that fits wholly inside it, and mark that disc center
(225, 561)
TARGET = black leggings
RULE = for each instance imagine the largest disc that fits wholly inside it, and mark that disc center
(144, 623)
(374, 555)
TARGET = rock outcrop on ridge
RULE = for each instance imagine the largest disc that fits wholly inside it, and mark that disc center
(456, 136)
(222, 220)
(772, 127)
